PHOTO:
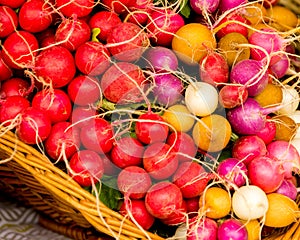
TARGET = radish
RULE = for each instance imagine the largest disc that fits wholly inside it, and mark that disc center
(127, 41)
(98, 136)
(117, 7)
(80, 8)
(10, 107)
(203, 6)
(191, 178)
(232, 229)
(92, 58)
(279, 65)
(214, 69)
(134, 182)
(55, 103)
(159, 160)
(204, 228)
(5, 71)
(161, 59)
(167, 89)
(162, 199)
(250, 73)
(55, 66)
(127, 151)
(230, 4)
(268, 132)
(84, 90)
(86, 167)
(266, 173)
(201, 98)
(290, 100)
(246, 148)
(46, 38)
(82, 115)
(122, 83)
(178, 217)
(14, 86)
(105, 21)
(9, 21)
(162, 25)
(12, 4)
(19, 49)
(151, 128)
(249, 202)
(192, 205)
(63, 141)
(71, 33)
(183, 144)
(288, 189)
(139, 12)
(35, 16)
(34, 126)
(233, 171)
(137, 210)
(287, 154)
(231, 96)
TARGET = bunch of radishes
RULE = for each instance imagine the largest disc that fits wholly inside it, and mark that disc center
(103, 87)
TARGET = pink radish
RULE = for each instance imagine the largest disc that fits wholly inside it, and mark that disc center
(268, 132)
(9, 21)
(162, 199)
(80, 8)
(203, 6)
(160, 161)
(139, 12)
(204, 227)
(34, 126)
(288, 189)
(134, 182)
(232, 229)
(63, 141)
(229, 4)
(86, 167)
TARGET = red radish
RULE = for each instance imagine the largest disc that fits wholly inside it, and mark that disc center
(268, 132)
(127, 151)
(167, 89)
(98, 136)
(162, 199)
(127, 41)
(11, 106)
(34, 127)
(122, 83)
(178, 216)
(14, 87)
(139, 12)
(55, 103)
(105, 21)
(191, 178)
(86, 167)
(46, 38)
(92, 58)
(55, 66)
(214, 69)
(19, 49)
(82, 115)
(137, 209)
(192, 205)
(268, 39)
(71, 33)
(246, 148)
(232, 229)
(109, 168)
(249, 118)
(134, 182)
(287, 154)
(232, 27)
(233, 171)
(84, 90)
(151, 128)
(35, 16)
(9, 21)
(162, 25)
(80, 8)
(288, 189)
(117, 7)
(12, 4)
(231, 96)
(249, 73)
(229, 4)
(5, 71)
(160, 161)
(204, 228)
(63, 141)
(161, 59)
(266, 173)
(204, 6)
(183, 144)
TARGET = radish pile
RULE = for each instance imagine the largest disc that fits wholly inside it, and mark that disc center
(183, 116)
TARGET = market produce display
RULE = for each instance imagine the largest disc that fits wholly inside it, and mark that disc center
(181, 116)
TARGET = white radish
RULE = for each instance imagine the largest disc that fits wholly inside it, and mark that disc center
(290, 100)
